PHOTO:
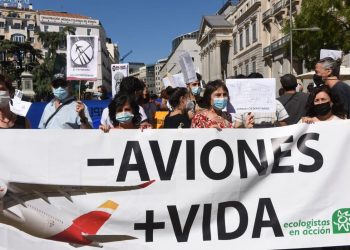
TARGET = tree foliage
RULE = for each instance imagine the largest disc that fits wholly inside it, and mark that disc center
(333, 19)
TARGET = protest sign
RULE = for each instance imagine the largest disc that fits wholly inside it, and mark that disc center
(175, 81)
(82, 57)
(252, 95)
(335, 54)
(233, 189)
(187, 67)
(119, 71)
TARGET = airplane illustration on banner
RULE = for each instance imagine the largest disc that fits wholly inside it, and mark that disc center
(21, 207)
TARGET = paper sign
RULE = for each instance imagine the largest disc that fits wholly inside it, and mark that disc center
(187, 67)
(20, 107)
(82, 57)
(175, 81)
(252, 95)
(119, 71)
(335, 54)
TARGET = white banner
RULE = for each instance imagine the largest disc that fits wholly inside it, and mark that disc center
(82, 57)
(119, 71)
(235, 189)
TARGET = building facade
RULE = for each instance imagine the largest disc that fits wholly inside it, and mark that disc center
(158, 79)
(181, 44)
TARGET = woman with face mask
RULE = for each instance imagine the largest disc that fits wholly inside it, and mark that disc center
(180, 102)
(214, 101)
(123, 113)
(9, 120)
(323, 106)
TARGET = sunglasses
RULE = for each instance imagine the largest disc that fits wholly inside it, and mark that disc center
(59, 83)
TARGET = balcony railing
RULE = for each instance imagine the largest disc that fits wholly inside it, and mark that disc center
(277, 6)
(266, 14)
(276, 45)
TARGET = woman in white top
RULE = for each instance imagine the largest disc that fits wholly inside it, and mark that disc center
(323, 106)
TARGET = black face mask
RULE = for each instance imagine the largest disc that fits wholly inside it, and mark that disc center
(322, 109)
(318, 80)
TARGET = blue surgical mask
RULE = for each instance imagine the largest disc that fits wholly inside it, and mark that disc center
(124, 117)
(60, 93)
(220, 103)
(196, 90)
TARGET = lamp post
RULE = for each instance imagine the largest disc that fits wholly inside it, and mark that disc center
(291, 34)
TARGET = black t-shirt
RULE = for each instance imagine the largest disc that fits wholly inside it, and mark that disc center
(342, 90)
(177, 121)
(295, 105)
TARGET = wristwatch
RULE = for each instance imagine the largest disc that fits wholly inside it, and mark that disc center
(84, 120)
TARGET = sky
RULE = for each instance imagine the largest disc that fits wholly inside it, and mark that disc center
(145, 27)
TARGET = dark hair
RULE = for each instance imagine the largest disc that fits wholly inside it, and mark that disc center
(310, 87)
(337, 108)
(5, 81)
(255, 75)
(281, 91)
(240, 76)
(199, 77)
(129, 85)
(289, 82)
(118, 103)
(333, 65)
(210, 88)
(175, 94)
(104, 95)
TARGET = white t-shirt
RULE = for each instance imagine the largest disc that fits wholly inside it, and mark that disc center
(107, 122)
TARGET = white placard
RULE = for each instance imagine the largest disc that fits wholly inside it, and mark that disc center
(335, 54)
(119, 71)
(187, 67)
(175, 81)
(252, 95)
(82, 57)
(20, 107)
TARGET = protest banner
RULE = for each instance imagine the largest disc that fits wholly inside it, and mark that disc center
(335, 54)
(175, 81)
(252, 95)
(82, 57)
(233, 189)
(119, 71)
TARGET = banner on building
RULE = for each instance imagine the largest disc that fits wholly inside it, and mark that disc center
(274, 188)
(119, 71)
(82, 57)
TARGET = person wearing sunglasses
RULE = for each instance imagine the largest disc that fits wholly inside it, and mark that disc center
(64, 111)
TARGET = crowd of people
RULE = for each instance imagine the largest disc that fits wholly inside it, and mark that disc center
(189, 107)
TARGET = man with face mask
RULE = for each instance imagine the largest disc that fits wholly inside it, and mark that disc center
(327, 72)
(64, 112)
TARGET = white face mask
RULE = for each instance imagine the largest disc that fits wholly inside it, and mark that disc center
(4, 99)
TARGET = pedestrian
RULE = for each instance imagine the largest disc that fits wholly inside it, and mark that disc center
(64, 111)
(323, 105)
(327, 72)
(123, 113)
(214, 101)
(195, 89)
(294, 102)
(179, 99)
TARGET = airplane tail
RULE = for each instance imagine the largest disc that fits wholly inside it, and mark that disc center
(91, 222)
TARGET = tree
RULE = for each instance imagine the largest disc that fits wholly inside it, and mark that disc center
(333, 19)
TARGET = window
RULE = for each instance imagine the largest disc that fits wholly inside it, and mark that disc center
(247, 36)
(16, 26)
(253, 66)
(27, 16)
(88, 32)
(241, 40)
(18, 38)
(30, 27)
(254, 37)
(46, 28)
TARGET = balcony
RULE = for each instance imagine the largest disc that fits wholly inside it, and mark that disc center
(277, 8)
(267, 16)
(276, 45)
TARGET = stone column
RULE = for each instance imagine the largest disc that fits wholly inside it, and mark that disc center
(217, 55)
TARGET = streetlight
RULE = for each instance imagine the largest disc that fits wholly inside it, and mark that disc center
(291, 34)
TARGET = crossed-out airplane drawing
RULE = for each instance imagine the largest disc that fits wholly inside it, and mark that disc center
(21, 206)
